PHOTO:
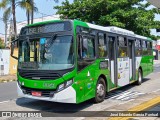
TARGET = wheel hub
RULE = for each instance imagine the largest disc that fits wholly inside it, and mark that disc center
(100, 90)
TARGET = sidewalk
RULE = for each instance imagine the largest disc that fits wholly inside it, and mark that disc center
(156, 61)
(7, 78)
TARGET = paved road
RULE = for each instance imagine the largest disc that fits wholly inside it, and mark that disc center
(119, 100)
(8, 91)
(155, 108)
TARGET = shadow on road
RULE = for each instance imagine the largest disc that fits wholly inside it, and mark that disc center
(52, 106)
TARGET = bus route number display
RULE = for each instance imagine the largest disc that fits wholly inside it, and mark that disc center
(54, 27)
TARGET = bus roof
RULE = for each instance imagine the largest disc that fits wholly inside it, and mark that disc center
(112, 29)
(44, 22)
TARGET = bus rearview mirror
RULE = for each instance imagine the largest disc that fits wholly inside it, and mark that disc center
(13, 45)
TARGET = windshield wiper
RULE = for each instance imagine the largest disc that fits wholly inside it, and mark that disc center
(50, 42)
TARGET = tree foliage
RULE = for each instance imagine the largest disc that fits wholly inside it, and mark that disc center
(29, 6)
(133, 15)
(9, 7)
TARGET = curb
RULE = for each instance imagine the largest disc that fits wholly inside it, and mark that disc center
(5, 81)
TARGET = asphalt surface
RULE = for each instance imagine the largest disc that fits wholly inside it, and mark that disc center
(155, 108)
(8, 91)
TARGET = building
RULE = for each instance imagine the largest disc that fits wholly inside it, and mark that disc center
(13, 63)
(4, 61)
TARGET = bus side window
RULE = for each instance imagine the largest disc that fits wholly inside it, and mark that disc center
(144, 45)
(88, 48)
(149, 48)
(102, 45)
(138, 47)
(122, 45)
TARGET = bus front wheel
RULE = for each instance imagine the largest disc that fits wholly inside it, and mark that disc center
(100, 91)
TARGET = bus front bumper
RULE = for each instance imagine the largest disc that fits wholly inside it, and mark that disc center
(67, 95)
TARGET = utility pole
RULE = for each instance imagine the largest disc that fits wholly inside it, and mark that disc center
(6, 28)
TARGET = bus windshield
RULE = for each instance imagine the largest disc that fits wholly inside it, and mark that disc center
(52, 53)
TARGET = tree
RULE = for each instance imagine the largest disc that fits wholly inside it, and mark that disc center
(9, 7)
(128, 14)
(30, 8)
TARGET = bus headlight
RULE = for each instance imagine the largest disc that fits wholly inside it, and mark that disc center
(65, 85)
(68, 83)
(60, 87)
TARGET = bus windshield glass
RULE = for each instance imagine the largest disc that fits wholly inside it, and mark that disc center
(52, 53)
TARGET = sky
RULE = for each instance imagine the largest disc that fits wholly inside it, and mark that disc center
(45, 7)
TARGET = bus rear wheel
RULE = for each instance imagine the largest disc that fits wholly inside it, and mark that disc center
(140, 77)
(100, 91)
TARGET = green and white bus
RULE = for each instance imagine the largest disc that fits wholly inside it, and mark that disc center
(71, 61)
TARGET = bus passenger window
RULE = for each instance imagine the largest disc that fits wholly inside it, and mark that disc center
(138, 47)
(102, 45)
(122, 44)
(144, 45)
(88, 48)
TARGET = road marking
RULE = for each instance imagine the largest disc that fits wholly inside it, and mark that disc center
(80, 118)
(126, 102)
(7, 101)
(156, 90)
(124, 96)
(141, 107)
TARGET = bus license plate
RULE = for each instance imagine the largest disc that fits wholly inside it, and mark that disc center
(38, 94)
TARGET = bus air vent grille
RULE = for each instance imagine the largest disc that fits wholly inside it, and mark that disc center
(38, 75)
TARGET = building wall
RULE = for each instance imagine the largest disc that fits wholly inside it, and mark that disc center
(4, 61)
(13, 63)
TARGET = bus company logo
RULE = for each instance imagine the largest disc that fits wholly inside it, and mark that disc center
(126, 64)
(120, 65)
(6, 114)
(35, 84)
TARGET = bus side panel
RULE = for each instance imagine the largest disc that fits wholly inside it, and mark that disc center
(150, 64)
(144, 65)
(123, 71)
(79, 86)
(87, 79)
(138, 64)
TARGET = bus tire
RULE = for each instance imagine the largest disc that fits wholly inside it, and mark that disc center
(100, 90)
(140, 77)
